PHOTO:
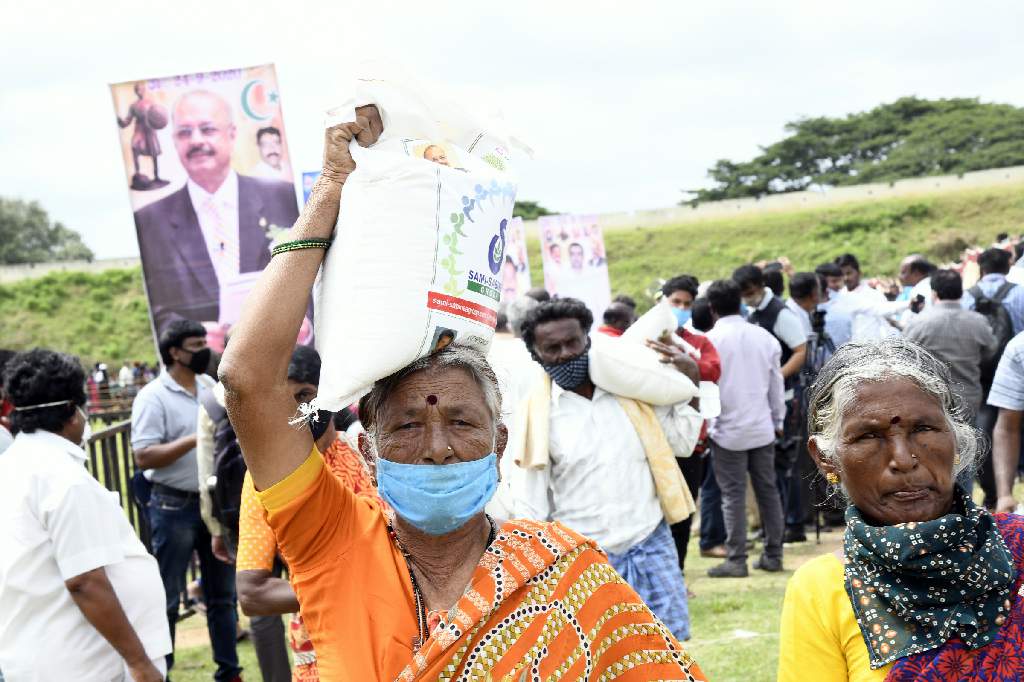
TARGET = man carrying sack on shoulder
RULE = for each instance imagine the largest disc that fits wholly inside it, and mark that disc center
(605, 464)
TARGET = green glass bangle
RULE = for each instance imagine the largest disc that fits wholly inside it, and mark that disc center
(301, 244)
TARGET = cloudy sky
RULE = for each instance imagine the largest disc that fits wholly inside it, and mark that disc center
(625, 103)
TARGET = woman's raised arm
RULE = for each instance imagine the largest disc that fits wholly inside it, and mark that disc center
(255, 366)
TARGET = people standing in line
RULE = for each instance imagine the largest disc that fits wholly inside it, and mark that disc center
(681, 292)
(601, 444)
(743, 436)
(164, 440)
(81, 597)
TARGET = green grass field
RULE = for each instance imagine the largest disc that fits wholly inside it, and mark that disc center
(103, 317)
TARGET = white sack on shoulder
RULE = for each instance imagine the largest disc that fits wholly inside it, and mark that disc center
(633, 370)
(627, 367)
(419, 242)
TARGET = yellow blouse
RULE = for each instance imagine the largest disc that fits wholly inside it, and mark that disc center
(819, 635)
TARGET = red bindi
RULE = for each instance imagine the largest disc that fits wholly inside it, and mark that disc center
(894, 420)
(431, 400)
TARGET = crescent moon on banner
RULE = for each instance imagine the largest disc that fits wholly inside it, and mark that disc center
(253, 109)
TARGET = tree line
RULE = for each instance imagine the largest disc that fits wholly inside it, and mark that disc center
(911, 137)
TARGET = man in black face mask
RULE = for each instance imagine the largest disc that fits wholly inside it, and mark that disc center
(598, 479)
(164, 442)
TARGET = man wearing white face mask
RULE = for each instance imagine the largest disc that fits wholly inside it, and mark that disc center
(72, 571)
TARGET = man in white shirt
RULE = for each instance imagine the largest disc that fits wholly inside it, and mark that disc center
(850, 267)
(915, 277)
(860, 315)
(82, 598)
(598, 481)
(204, 238)
(126, 377)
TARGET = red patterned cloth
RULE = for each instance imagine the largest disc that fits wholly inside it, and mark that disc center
(1000, 661)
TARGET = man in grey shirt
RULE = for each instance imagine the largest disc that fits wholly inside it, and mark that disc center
(164, 441)
(960, 338)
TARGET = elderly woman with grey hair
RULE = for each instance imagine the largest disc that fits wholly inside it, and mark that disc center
(927, 584)
(426, 586)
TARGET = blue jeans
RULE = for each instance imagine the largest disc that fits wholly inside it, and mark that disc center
(712, 522)
(178, 530)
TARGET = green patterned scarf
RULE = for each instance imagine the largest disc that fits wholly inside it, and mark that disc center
(913, 586)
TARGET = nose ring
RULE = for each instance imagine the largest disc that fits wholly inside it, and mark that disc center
(913, 456)
(450, 449)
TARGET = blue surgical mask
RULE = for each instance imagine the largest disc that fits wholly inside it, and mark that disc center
(744, 310)
(682, 316)
(905, 293)
(438, 498)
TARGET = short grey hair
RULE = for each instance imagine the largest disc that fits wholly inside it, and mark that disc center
(834, 393)
(467, 356)
(516, 313)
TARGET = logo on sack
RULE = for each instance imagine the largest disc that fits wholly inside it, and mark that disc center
(496, 252)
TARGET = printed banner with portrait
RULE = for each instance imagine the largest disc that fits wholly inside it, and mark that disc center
(575, 265)
(211, 185)
(515, 269)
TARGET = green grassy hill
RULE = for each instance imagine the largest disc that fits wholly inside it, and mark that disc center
(103, 317)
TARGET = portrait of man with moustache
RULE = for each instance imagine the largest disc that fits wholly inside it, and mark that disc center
(205, 236)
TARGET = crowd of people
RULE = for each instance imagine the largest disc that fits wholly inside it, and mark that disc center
(102, 386)
(499, 515)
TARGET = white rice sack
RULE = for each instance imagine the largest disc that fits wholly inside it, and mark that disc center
(652, 324)
(419, 242)
(628, 368)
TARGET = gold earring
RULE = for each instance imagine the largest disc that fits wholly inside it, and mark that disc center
(832, 478)
(956, 460)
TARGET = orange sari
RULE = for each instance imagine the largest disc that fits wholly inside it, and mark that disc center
(544, 603)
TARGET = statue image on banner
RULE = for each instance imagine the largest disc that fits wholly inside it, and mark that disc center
(148, 117)
(205, 238)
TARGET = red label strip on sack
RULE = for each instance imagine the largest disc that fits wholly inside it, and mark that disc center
(462, 308)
